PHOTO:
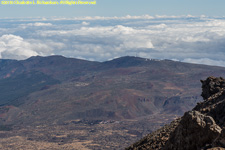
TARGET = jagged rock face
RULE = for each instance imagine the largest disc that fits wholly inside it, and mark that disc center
(214, 105)
(200, 129)
(220, 141)
(211, 86)
(156, 140)
(194, 131)
(216, 148)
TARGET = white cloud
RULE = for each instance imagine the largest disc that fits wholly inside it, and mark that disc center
(37, 24)
(183, 38)
(14, 47)
(85, 23)
(206, 61)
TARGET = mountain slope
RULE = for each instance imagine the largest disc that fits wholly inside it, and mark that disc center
(124, 88)
(12, 88)
(201, 128)
(124, 98)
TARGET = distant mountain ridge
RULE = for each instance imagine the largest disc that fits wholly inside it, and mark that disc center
(126, 87)
(66, 101)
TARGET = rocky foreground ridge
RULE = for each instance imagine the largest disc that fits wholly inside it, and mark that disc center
(203, 128)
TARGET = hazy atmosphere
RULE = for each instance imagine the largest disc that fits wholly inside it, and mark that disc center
(187, 31)
(182, 38)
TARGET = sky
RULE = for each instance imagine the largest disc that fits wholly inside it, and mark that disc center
(187, 31)
(118, 8)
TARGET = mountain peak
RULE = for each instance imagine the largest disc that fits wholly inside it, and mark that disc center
(127, 61)
(45, 57)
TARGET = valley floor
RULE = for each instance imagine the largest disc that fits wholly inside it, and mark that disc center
(81, 134)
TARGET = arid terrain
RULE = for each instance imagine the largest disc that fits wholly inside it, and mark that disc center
(64, 103)
(81, 134)
(202, 128)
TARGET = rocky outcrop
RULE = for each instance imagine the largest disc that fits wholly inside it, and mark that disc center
(194, 132)
(200, 129)
(157, 139)
(220, 141)
(212, 86)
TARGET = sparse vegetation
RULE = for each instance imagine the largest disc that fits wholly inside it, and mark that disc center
(64, 102)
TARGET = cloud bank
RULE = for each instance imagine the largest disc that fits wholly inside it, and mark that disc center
(183, 38)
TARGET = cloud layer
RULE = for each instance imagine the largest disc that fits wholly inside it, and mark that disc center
(184, 38)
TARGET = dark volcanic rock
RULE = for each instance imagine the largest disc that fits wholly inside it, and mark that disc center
(215, 103)
(220, 141)
(194, 131)
(199, 129)
(157, 139)
(212, 86)
(216, 148)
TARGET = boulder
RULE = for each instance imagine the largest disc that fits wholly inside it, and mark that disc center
(194, 132)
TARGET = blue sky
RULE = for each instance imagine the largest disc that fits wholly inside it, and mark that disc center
(119, 8)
